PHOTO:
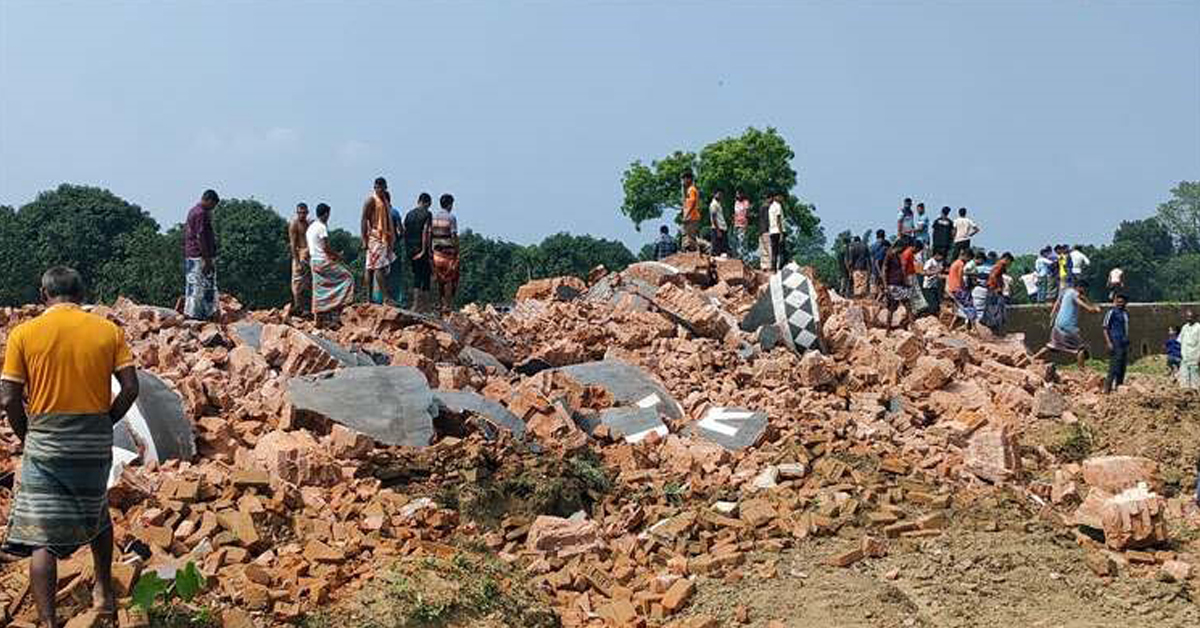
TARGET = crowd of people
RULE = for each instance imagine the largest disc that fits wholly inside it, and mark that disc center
(722, 241)
(931, 262)
(322, 283)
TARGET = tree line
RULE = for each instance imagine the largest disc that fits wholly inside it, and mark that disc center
(121, 251)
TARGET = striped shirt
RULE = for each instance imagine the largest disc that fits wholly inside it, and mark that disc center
(443, 229)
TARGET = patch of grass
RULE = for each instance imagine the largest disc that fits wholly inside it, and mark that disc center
(177, 615)
(1149, 365)
(1072, 442)
(465, 590)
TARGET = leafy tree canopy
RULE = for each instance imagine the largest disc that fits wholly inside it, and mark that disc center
(1181, 215)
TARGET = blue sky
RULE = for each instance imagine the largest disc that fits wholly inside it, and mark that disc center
(1050, 120)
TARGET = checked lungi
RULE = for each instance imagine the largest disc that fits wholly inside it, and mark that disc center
(61, 502)
(333, 286)
(445, 265)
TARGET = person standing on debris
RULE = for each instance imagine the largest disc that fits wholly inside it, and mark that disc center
(995, 308)
(1079, 263)
(898, 291)
(860, 266)
(964, 230)
(199, 259)
(378, 235)
(298, 245)
(665, 246)
(921, 225)
(943, 234)
(1172, 349)
(741, 220)
(62, 362)
(879, 249)
(1189, 351)
(417, 246)
(333, 283)
(444, 233)
(932, 285)
(905, 221)
(764, 234)
(910, 260)
(691, 213)
(720, 229)
(1116, 340)
(1064, 336)
(956, 287)
(395, 290)
(775, 220)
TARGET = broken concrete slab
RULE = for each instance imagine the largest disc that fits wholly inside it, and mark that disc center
(478, 358)
(732, 428)
(157, 421)
(628, 384)
(632, 423)
(492, 412)
(251, 332)
(392, 404)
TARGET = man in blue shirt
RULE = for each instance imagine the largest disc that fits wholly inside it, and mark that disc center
(921, 226)
(665, 246)
(1116, 338)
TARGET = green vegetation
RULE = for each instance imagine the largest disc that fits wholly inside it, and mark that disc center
(1072, 442)
(465, 590)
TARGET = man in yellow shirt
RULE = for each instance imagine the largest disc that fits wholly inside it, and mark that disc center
(691, 212)
(61, 364)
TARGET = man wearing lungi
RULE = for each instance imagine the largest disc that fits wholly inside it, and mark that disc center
(333, 283)
(443, 233)
(298, 245)
(1064, 336)
(199, 259)
(56, 392)
(378, 238)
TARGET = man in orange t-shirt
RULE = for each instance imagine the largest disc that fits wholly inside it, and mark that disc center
(62, 363)
(691, 213)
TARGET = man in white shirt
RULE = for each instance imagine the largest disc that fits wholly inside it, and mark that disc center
(1116, 282)
(1079, 263)
(964, 230)
(333, 283)
(1189, 351)
(775, 230)
(720, 229)
(932, 284)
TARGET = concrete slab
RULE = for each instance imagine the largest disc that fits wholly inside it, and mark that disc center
(391, 404)
(495, 414)
(732, 428)
(157, 419)
(628, 384)
(633, 423)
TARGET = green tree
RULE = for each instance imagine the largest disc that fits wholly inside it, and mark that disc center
(566, 254)
(651, 189)
(490, 272)
(1149, 235)
(1179, 278)
(1181, 215)
(148, 270)
(18, 276)
(756, 162)
(80, 227)
(253, 262)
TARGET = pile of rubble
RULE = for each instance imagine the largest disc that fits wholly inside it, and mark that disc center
(728, 414)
